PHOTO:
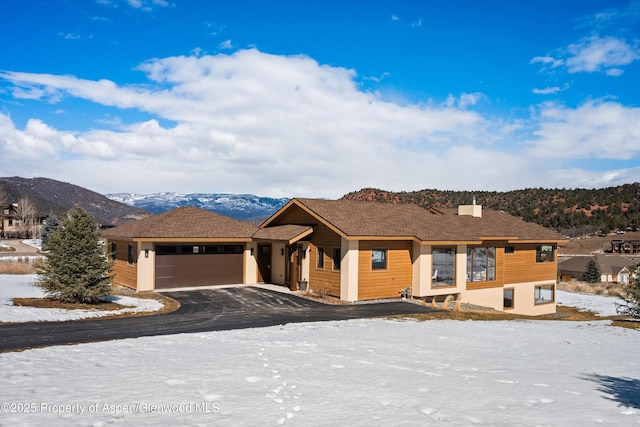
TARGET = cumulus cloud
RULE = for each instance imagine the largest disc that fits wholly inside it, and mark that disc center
(287, 125)
(596, 54)
(595, 129)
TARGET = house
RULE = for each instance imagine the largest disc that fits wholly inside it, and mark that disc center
(625, 246)
(354, 250)
(613, 268)
(14, 224)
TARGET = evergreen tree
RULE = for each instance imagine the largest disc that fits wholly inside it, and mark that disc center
(52, 224)
(631, 296)
(75, 268)
(592, 275)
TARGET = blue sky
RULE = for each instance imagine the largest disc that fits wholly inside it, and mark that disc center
(318, 99)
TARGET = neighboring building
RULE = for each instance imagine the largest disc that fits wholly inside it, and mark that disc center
(12, 225)
(613, 268)
(625, 246)
(355, 250)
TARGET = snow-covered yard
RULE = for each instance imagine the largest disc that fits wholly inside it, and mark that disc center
(22, 286)
(358, 372)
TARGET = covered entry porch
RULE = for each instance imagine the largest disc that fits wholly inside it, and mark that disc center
(282, 255)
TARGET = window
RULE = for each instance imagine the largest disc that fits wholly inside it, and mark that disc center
(507, 298)
(197, 249)
(320, 260)
(509, 249)
(544, 253)
(337, 256)
(444, 267)
(544, 294)
(481, 264)
(114, 251)
(378, 259)
(130, 254)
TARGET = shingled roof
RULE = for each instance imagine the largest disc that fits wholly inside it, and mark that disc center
(187, 222)
(354, 218)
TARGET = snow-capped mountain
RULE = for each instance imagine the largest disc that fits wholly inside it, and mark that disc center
(239, 206)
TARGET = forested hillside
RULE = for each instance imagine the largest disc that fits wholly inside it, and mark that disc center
(605, 209)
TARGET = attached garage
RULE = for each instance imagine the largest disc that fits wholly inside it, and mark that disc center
(185, 247)
(198, 265)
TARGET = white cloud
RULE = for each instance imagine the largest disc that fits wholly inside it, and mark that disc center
(286, 125)
(225, 45)
(550, 90)
(394, 18)
(596, 129)
(418, 23)
(547, 60)
(596, 54)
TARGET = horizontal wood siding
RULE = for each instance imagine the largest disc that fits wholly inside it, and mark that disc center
(325, 238)
(373, 284)
(124, 274)
(521, 266)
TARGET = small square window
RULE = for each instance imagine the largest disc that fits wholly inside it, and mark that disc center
(509, 249)
(378, 259)
(544, 253)
(507, 298)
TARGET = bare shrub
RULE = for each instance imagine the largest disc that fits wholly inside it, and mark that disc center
(322, 289)
(16, 267)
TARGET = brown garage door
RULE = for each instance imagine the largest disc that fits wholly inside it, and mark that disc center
(183, 266)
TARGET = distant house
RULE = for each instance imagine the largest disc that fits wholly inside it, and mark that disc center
(625, 246)
(14, 225)
(354, 250)
(613, 268)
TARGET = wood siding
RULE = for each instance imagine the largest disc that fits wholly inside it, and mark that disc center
(373, 284)
(124, 274)
(521, 266)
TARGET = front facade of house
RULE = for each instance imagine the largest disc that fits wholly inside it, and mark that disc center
(351, 250)
(14, 226)
(613, 268)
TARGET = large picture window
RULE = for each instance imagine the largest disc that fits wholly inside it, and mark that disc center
(444, 267)
(378, 259)
(545, 253)
(544, 294)
(481, 264)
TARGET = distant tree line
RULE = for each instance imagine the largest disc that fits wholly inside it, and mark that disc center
(566, 210)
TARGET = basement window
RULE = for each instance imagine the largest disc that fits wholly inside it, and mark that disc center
(544, 294)
(507, 298)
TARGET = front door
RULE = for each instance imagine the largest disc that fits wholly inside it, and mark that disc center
(264, 263)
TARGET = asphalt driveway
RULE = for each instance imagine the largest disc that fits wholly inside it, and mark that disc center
(200, 311)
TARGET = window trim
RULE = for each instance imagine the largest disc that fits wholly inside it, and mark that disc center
(385, 258)
(543, 302)
(513, 298)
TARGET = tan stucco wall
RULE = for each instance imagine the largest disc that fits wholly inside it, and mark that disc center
(250, 274)
(304, 264)
(349, 270)
(491, 297)
(422, 272)
(277, 264)
(525, 302)
(146, 265)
